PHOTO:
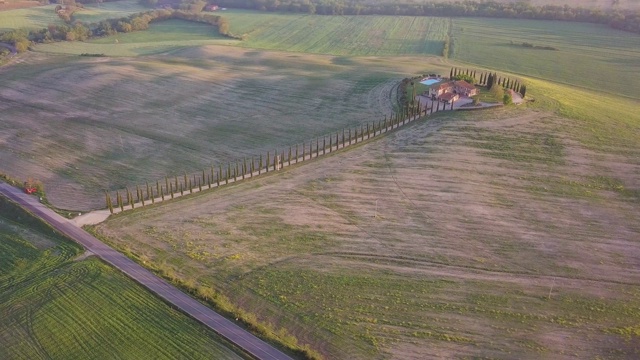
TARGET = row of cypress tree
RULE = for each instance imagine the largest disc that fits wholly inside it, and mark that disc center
(221, 174)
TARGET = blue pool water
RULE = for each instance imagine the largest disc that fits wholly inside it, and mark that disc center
(429, 81)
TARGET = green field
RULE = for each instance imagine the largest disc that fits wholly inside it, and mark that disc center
(588, 55)
(31, 18)
(340, 35)
(161, 37)
(56, 305)
(40, 17)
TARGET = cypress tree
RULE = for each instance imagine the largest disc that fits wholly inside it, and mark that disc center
(281, 160)
(304, 150)
(267, 162)
(324, 145)
(296, 153)
(289, 158)
(523, 90)
(330, 143)
(212, 176)
(149, 194)
(317, 146)
(244, 167)
(362, 131)
(119, 200)
(130, 197)
(161, 194)
(508, 84)
(203, 178)
(219, 177)
(181, 189)
(171, 189)
(235, 172)
(138, 193)
(343, 133)
(349, 136)
(158, 187)
(109, 205)
(228, 174)
(260, 167)
(451, 74)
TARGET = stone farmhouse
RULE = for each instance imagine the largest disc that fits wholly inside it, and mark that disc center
(452, 90)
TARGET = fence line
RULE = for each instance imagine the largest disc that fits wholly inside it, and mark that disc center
(238, 170)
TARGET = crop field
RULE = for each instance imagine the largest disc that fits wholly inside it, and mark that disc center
(588, 55)
(29, 18)
(592, 56)
(40, 17)
(57, 305)
(82, 125)
(478, 234)
(340, 35)
(161, 37)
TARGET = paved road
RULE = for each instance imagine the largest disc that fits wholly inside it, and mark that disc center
(227, 329)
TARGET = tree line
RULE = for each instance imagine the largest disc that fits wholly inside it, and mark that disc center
(79, 31)
(623, 20)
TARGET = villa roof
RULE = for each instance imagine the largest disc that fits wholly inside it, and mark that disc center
(464, 84)
(448, 96)
(445, 86)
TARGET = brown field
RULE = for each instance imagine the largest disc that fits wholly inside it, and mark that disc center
(85, 125)
(494, 234)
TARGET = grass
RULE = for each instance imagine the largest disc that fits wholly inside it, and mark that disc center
(590, 56)
(56, 307)
(340, 35)
(40, 17)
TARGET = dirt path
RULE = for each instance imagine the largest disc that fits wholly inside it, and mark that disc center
(225, 328)
(11, 48)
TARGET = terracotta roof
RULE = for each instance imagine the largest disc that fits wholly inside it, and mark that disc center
(464, 84)
(448, 96)
(445, 86)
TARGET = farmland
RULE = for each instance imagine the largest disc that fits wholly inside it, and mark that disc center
(465, 235)
(55, 304)
(340, 35)
(40, 17)
(82, 125)
(588, 55)
(169, 35)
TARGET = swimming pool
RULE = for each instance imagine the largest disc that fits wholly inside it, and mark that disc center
(429, 81)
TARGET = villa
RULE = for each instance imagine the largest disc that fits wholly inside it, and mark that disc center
(445, 91)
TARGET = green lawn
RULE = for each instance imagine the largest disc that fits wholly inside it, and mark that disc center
(56, 307)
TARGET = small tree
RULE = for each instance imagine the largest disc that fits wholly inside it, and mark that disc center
(507, 99)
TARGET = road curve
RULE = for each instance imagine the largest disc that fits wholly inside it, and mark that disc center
(225, 328)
